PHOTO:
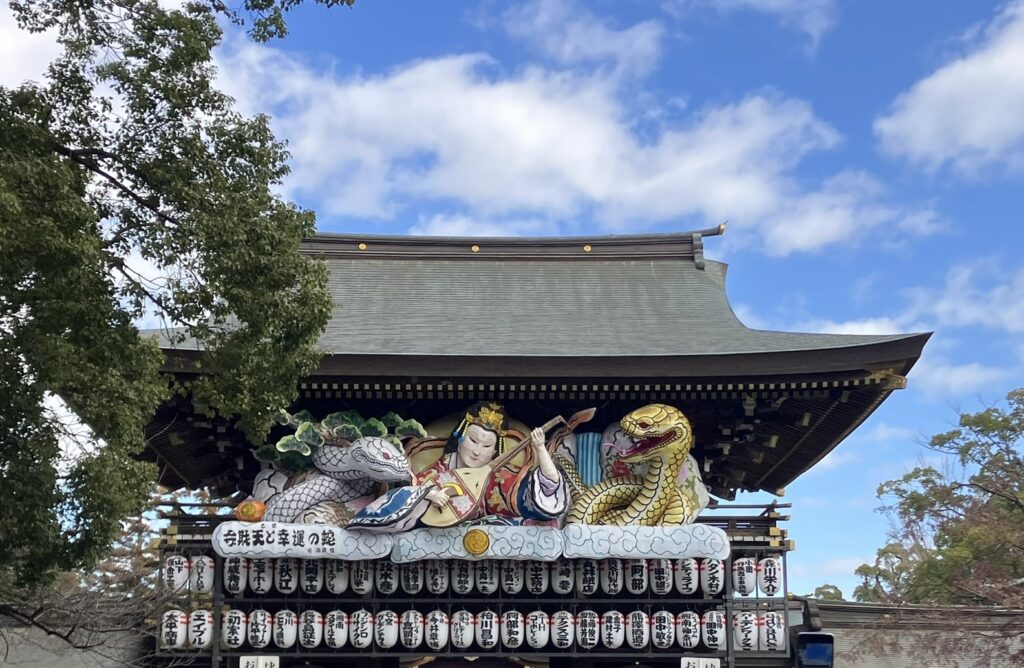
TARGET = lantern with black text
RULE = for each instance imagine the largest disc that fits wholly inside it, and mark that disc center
(311, 629)
(173, 629)
(563, 629)
(336, 629)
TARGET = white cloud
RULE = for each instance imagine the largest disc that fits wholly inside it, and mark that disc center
(962, 302)
(877, 325)
(836, 459)
(549, 144)
(938, 376)
(23, 55)
(967, 113)
(884, 432)
(571, 35)
(749, 317)
(456, 225)
(812, 17)
(967, 298)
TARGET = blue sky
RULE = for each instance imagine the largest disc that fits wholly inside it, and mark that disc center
(868, 156)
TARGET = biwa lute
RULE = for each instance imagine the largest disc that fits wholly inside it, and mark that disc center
(466, 486)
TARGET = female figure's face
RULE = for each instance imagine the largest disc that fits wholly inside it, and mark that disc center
(478, 446)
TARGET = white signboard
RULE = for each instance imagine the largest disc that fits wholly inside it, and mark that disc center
(259, 662)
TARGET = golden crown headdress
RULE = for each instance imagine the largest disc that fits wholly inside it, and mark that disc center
(490, 416)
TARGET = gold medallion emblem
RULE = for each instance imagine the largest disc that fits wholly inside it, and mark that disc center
(476, 542)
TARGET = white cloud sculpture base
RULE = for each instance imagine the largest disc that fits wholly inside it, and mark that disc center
(315, 541)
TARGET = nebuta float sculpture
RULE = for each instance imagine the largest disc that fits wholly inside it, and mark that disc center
(487, 469)
(660, 437)
(484, 472)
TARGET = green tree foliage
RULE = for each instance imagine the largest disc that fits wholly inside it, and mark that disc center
(828, 592)
(105, 611)
(959, 535)
(126, 156)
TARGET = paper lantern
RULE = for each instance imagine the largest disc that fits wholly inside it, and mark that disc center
(286, 575)
(588, 628)
(175, 576)
(261, 626)
(286, 628)
(663, 629)
(712, 629)
(487, 576)
(613, 629)
(744, 631)
(173, 629)
(744, 575)
(360, 629)
(436, 629)
(563, 629)
(586, 577)
(236, 574)
(336, 572)
(660, 576)
(410, 630)
(612, 575)
(200, 629)
(386, 577)
(688, 629)
(462, 629)
(486, 629)
(462, 577)
(411, 575)
(562, 581)
(538, 626)
(336, 625)
(234, 627)
(261, 575)
(512, 629)
(769, 575)
(712, 576)
(311, 573)
(636, 575)
(360, 578)
(771, 628)
(311, 629)
(200, 574)
(512, 576)
(686, 576)
(537, 577)
(638, 629)
(386, 629)
(437, 576)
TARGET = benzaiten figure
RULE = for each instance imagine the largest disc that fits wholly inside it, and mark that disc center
(474, 480)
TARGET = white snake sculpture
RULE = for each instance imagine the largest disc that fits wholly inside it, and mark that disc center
(343, 474)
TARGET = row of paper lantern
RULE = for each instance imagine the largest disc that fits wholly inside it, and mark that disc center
(585, 577)
(412, 629)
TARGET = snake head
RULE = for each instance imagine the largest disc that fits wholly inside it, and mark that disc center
(380, 459)
(653, 430)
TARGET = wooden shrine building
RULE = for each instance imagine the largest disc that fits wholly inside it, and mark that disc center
(426, 326)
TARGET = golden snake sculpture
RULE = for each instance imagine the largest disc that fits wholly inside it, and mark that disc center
(662, 437)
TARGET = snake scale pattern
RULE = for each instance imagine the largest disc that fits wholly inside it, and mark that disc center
(662, 437)
(343, 474)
